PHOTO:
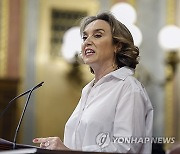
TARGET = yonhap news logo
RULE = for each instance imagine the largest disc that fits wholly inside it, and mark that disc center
(144, 139)
(104, 139)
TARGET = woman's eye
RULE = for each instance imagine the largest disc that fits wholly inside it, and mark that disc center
(97, 35)
(84, 38)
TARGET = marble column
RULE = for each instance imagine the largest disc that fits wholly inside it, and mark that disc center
(151, 15)
(30, 35)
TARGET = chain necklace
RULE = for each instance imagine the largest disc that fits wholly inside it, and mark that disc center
(94, 82)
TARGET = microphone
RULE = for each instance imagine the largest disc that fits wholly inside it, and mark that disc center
(11, 101)
(22, 115)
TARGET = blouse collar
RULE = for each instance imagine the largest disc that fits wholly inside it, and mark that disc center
(121, 73)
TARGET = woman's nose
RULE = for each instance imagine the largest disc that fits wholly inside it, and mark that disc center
(88, 41)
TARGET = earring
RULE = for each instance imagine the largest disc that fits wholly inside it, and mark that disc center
(114, 65)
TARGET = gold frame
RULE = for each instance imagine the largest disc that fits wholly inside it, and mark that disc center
(46, 5)
(4, 36)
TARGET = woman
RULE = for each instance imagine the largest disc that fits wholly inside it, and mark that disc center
(114, 111)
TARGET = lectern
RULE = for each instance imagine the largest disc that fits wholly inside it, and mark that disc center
(6, 148)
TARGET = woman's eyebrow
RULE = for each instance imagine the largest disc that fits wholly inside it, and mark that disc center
(95, 30)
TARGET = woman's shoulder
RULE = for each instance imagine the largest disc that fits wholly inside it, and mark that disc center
(133, 83)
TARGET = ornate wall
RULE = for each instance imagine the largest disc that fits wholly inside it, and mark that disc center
(30, 41)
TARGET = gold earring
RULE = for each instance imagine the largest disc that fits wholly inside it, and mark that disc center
(114, 65)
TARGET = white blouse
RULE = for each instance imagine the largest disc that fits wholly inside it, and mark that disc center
(109, 114)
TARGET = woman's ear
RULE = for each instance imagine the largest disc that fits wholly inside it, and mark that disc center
(118, 47)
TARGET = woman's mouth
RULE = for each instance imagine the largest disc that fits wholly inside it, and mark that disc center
(89, 52)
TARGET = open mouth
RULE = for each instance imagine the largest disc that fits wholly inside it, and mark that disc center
(89, 52)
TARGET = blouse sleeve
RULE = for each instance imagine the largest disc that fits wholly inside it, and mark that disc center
(130, 121)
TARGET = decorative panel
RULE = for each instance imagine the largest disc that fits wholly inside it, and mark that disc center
(62, 20)
(3, 36)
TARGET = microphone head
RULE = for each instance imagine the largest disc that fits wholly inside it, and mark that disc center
(39, 85)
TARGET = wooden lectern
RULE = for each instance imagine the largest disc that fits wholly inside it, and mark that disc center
(6, 148)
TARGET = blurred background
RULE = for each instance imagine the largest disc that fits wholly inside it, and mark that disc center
(38, 42)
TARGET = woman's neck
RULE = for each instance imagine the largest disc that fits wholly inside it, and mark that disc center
(99, 73)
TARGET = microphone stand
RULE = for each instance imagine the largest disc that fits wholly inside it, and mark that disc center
(11, 101)
(22, 115)
(20, 121)
(9, 104)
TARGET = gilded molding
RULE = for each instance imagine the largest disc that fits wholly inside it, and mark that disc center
(169, 105)
(169, 88)
(170, 7)
(132, 2)
(4, 18)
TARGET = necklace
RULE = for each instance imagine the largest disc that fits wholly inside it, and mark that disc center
(93, 83)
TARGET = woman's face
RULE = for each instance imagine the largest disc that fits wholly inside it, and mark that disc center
(97, 47)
